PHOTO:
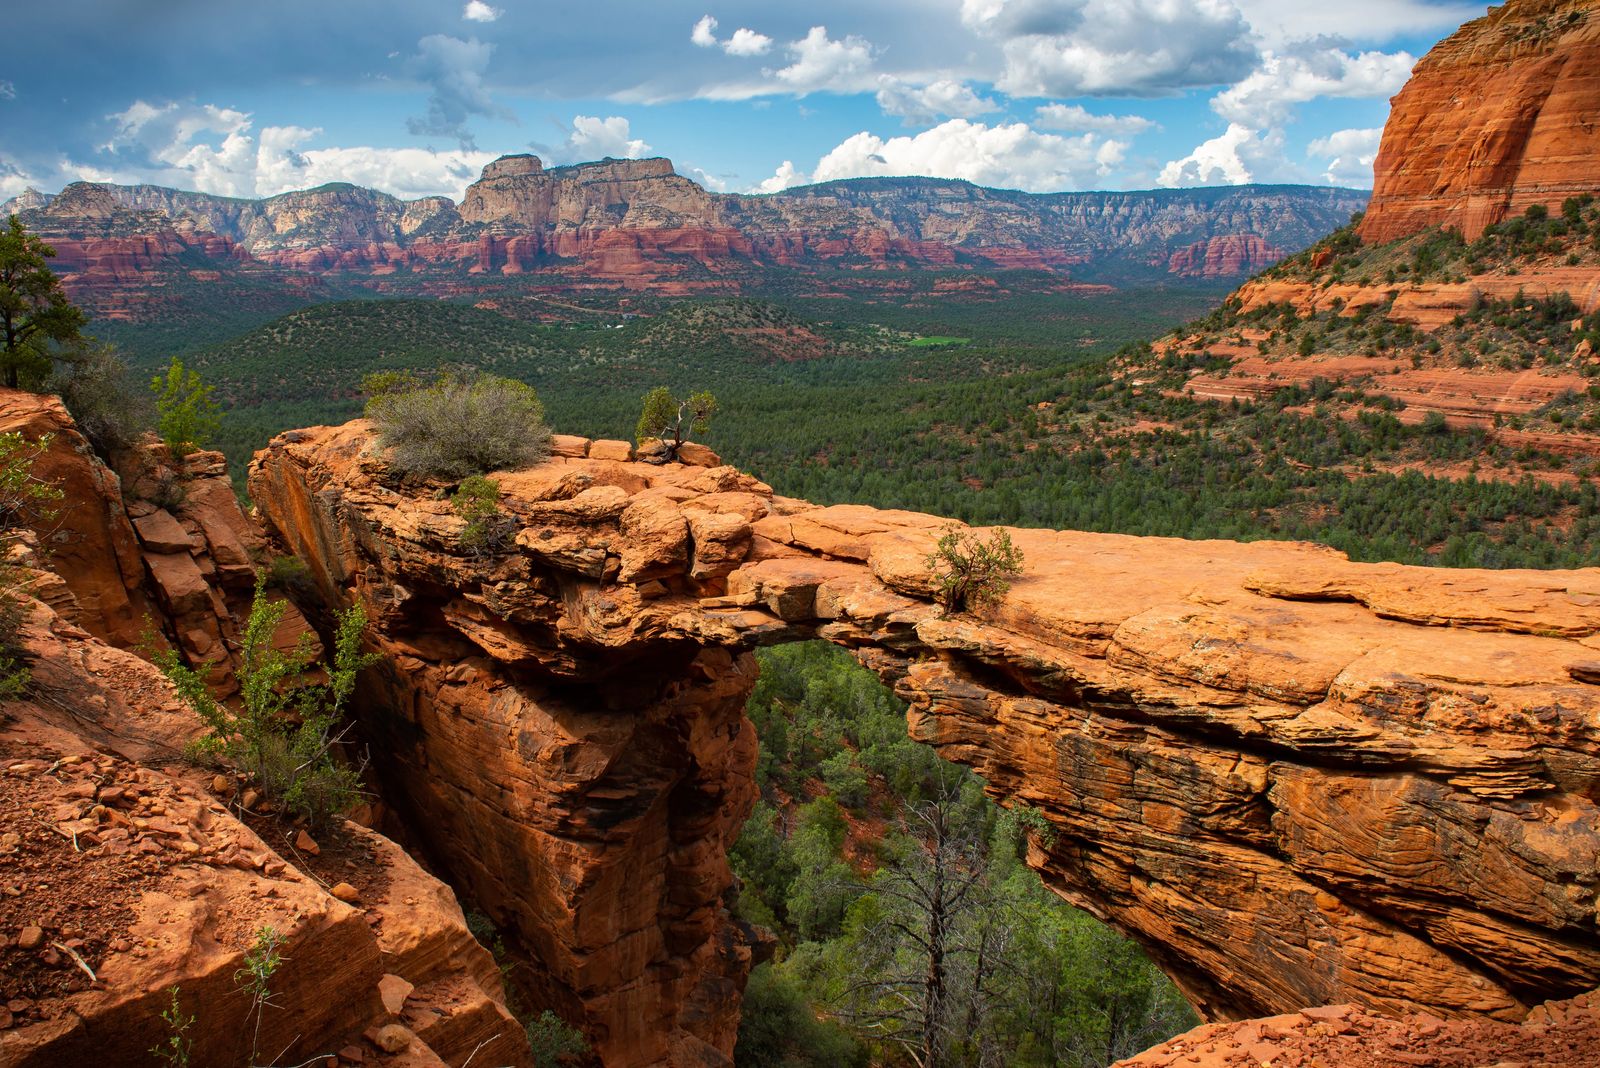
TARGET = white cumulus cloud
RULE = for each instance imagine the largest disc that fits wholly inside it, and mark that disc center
(1006, 155)
(1259, 107)
(1349, 155)
(1077, 118)
(744, 42)
(818, 62)
(595, 138)
(747, 43)
(786, 176)
(478, 11)
(216, 150)
(1237, 156)
(1267, 96)
(918, 104)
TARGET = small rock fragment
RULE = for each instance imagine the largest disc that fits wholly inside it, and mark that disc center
(346, 893)
(307, 844)
(30, 938)
(391, 1038)
(394, 990)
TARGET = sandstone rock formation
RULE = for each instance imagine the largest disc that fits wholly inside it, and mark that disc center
(1497, 117)
(1558, 1034)
(1224, 257)
(159, 553)
(124, 877)
(1296, 780)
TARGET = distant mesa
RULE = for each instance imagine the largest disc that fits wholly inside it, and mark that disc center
(512, 167)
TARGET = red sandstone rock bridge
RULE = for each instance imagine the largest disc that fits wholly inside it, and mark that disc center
(1295, 780)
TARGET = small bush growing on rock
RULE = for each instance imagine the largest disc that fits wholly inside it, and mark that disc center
(969, 572)
(477, 500)
(168, 489)
(98, 389)
(555, 1042)
(179, 1047)
(667, 419)
(261, 962)
(15, 677)
(187, 417)
(458, 424)
(283, 733)
(26, 501)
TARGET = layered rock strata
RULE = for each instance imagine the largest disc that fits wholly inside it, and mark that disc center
(1557, 1034)
(1296, 780)
(1498, 116)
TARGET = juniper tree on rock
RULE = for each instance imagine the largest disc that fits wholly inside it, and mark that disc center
(36, 317)
(668, 420)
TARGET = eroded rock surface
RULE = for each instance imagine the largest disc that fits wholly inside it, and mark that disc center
(1296, 780)
(1558, 1034)
(1498, 116)
(124, 875)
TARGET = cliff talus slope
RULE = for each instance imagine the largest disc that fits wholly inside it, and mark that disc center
(1296, 780)
(1470, 291)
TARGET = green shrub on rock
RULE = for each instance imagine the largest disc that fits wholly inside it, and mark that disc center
(458, 424)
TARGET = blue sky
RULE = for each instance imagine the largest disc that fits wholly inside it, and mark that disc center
(414, 96)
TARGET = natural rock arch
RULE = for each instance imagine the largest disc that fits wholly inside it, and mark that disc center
(1295, 780)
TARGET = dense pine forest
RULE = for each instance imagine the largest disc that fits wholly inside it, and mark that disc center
(1033, 407)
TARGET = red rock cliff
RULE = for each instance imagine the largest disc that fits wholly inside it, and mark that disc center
(1296, 780)
(1498, 116)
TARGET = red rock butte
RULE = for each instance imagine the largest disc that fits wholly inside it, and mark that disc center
(1294, 779)
(1497, 117)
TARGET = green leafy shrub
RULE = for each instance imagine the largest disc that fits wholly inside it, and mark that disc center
(261, 962)
(26, 501)
(178, 1048)
(778, 1029)
(555, 1042)
(477, 500)
(187, 417)
(458, 425)
(15, 676)
(969, 572)
(284, 732)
